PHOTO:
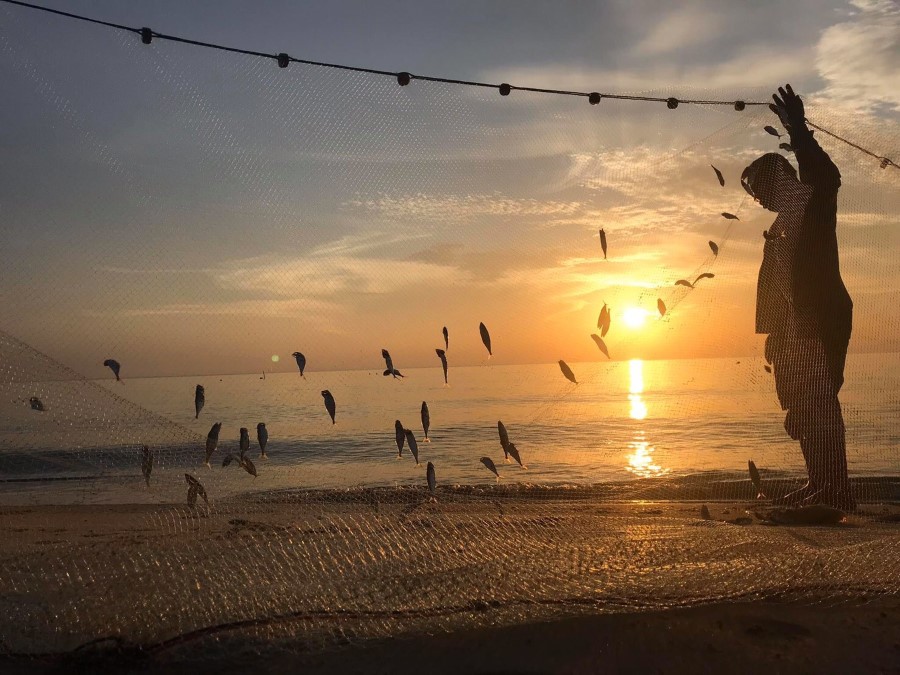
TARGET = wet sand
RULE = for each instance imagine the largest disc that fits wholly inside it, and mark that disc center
(393, 583)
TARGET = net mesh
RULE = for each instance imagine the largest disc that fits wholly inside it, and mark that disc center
(199, 217)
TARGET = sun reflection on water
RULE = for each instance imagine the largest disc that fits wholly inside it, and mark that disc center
(640, 461)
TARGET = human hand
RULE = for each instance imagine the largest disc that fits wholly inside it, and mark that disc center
(789, 108)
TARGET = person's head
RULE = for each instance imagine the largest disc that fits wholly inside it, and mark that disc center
(768, 179)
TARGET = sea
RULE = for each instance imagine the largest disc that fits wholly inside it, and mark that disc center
(638, 420)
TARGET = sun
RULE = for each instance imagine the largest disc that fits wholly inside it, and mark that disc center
(634, 317)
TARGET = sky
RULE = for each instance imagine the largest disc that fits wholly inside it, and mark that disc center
(187, 211)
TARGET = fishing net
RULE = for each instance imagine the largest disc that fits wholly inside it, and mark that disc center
(199, 217)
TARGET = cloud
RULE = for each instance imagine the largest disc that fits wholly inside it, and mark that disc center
(860, 58)
(458, 208)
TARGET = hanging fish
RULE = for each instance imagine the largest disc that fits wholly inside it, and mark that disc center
(768, 368)
(329, 403)
(600, 343)
(570, 376)
(199, 400)
(212, 440)
(489, 463)
(390, 370)
(714, 247)
(446, 339)
(719, 176)
(514, 453)
(262, 437)
(786, 147)
(36, 404)
(661, 306)
(757, 480)
(770, 237)
(194, 489)
(400, 437)
(430, 478)
(413, 446)
(705, 275)
(114, 366)
(301, 361)
(244, 443)
(604, 320)
(247, 465)
(684, 282)
(442, 355)
(704, 512)
(426, 420)
(603, 242)
(772, 130)
(146, 463)
(485, 338)
(228, 459)
(729, 216)
(504, 439)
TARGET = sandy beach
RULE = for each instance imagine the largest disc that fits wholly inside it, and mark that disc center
(386, 581)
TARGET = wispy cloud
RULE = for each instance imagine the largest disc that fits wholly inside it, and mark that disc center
(860, 58)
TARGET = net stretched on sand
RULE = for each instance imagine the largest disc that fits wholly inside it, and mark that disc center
(198, 217)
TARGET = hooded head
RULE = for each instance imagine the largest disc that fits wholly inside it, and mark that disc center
(770, 180)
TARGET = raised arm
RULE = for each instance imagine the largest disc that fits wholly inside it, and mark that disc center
(816, 168)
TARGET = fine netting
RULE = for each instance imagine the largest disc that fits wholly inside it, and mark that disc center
(200, 216)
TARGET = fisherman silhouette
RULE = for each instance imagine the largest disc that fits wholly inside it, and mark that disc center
(802, 304)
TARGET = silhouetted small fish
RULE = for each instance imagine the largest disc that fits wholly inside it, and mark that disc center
(247, 465)
(705, 275)
(514, 453)
(714, 247)
(601, 344)
(430, 478)
(228, 459)
(570, 376)
(770, 237)
(413, 446)
(504, 439)
(446, 339)
(199, 400)
(719, 176)
(426, 420)
(730, 216)
(194, 489)
(772, 130)
(301, 361)
(146, 463)
(661, 306)
(442, 355)
(604, 320)
(786, 147)
(212, 440)
(36, 404)
(262, 437)
(114, 366)
(399, 436)
(244, 443)
(755, 477)
(329, 403)
(489, 463)
(684, 282)
(704, 512)
(485, 338)
(603, 242)
(768, 368)
(390, 370)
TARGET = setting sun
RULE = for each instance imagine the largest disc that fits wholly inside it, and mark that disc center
(634, 317)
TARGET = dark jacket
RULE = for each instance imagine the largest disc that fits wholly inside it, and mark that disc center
(800, 291)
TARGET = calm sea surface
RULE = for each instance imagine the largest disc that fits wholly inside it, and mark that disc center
(624, 420)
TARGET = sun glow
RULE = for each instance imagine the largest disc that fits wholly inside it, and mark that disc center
(634, 317)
